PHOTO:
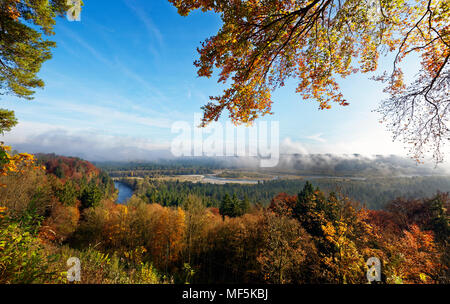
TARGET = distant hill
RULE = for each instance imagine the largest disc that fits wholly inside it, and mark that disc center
(77, 179)
(65, 167)
(354, 165)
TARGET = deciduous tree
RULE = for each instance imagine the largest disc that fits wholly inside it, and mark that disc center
(263, 43)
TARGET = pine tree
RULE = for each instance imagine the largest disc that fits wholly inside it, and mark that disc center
(303, 199)
(23, 49)
(244, 205)
(230, 206)
(225, 205)
(236, 206)
(7, 120)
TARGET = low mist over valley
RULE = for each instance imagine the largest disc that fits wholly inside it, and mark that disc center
(307, 165)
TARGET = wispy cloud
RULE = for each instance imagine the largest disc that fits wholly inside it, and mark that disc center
(316, 137)
(152, 29)
(116, 64)
(141, 82)
(80, 41)
(110, 115)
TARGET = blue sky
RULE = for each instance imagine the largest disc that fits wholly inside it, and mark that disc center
(120, 77)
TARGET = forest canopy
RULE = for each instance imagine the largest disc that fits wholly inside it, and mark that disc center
(67, 209)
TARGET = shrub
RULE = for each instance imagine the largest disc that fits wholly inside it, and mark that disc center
(23, 259)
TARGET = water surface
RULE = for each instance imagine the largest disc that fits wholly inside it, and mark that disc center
(125, 192)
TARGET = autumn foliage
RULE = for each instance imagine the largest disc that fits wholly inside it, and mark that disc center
(312, 237)
(263, 44)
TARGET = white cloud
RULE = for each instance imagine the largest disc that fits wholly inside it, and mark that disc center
(288, 146)
(95, 144)
(87, 144)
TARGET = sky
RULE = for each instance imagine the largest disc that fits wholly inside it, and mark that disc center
(122, 76)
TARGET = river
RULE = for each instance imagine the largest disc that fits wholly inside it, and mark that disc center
(125, 192)
(213, 179)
